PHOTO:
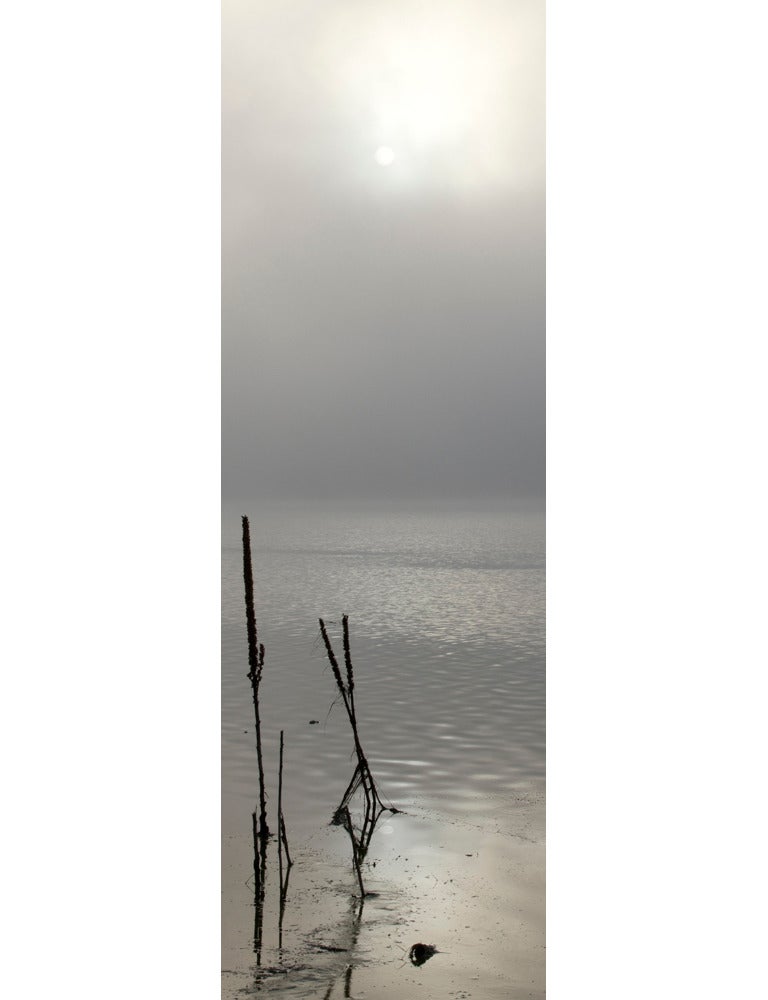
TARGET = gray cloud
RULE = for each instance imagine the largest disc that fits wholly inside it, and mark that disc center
(383, 328)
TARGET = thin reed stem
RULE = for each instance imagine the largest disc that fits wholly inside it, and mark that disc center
(348, 661)
(256, 666)
(282, 836)
(280, 812)
(369, 786)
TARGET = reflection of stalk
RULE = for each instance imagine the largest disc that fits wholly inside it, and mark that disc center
(355, 850)
(260, 885)
(256, 869)
(352, 945)
(283, 894)
(256, 665)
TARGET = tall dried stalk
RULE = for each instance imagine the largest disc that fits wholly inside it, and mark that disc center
(256, 666)
(362, 776)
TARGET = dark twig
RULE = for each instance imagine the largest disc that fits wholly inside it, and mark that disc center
(282, 835)
(363, 773)
(348, 661)
(362, 776)
(256, 666)
(280, 813)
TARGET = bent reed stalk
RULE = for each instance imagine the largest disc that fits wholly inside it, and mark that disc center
(362, 773)
(362, 776)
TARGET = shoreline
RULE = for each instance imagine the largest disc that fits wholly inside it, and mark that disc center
(475, 891)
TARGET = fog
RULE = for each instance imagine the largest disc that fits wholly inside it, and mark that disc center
(383, 250)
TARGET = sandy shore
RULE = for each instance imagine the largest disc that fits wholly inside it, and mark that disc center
(474, 890)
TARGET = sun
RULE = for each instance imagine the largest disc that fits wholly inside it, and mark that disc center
(417, 93)
(384, 156)
(436, 92)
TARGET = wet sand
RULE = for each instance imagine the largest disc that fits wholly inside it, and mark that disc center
(474, 891)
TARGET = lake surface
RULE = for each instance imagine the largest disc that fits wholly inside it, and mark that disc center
(446, 618)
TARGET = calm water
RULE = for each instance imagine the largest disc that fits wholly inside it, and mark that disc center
(446, 618)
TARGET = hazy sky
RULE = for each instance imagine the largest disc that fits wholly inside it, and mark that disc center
(383, 248)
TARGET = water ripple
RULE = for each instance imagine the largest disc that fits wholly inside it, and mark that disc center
(447, 626)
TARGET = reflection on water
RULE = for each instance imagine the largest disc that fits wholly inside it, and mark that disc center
(447, 620)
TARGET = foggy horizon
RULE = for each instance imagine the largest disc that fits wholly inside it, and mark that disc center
(383, 255)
